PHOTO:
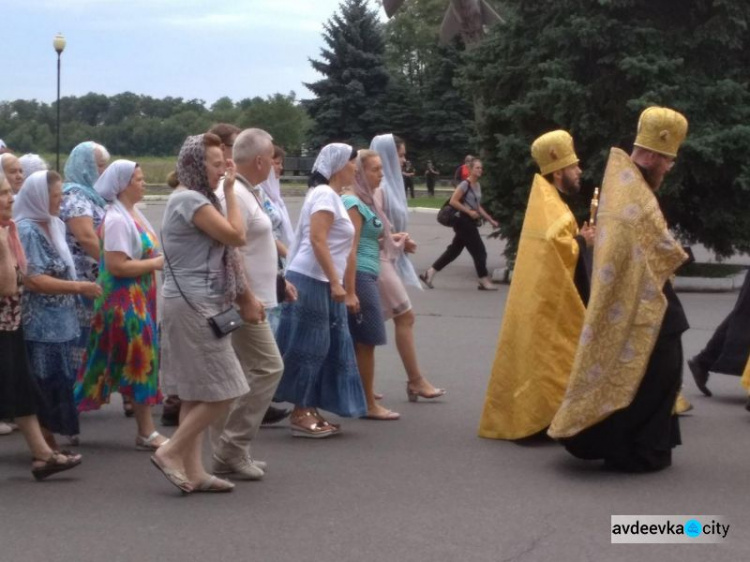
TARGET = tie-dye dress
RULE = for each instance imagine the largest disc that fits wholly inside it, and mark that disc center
(123, 348)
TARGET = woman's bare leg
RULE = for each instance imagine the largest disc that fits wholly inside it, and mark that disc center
(407, 349)
(35, 440)
(145, 422)
(366, 365)
(182, 451)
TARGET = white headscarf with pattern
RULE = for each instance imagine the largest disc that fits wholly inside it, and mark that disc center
(32, 204)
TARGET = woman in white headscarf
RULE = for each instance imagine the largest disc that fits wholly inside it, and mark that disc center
(282, 224)
(320, 369)
(49, 318)
(396, 270)
(123, 348)
(19, 397)
(31, 163)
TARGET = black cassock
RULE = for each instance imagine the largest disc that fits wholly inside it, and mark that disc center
(640, 437)
(728, 349)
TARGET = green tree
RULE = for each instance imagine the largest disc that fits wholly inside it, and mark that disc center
(281, 115)
(349, 99)
(427, 104)
(591, 68)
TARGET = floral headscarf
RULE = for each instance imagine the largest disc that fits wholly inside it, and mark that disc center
(192, 173)
(81, 172)
(191, 168)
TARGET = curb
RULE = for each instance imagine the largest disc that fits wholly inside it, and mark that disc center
(680, 284)
(709, 284)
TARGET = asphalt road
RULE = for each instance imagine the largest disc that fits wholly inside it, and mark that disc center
(424, 488)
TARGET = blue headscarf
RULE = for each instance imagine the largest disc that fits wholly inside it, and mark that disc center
(395, 206)
(81, 172)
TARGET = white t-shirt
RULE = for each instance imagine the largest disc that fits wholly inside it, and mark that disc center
(340, 237)
(259, 253)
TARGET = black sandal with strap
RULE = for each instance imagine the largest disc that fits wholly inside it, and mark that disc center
(56, 462)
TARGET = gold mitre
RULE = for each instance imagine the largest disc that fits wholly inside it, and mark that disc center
(661, 130)
(554, 151)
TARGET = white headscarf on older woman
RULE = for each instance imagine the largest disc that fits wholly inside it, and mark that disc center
(120, 231)
(331, 159)
(32, 204)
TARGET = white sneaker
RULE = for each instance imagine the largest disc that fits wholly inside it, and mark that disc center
(5, 428)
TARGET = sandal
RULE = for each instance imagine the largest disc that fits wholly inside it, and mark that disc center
(415, 395)
(176, 477)
(388, 415)
(335, 427)
(57, 462)
(148, 443)
(214, 485)
(312, 429)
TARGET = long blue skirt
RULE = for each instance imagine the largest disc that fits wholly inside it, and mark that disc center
(52, 367)
(320, 369)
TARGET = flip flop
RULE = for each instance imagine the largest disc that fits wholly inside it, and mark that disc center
(214, 485)
(389, 415)
(176, 477)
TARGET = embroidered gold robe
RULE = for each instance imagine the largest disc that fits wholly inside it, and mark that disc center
(634, 256)
(541, 324)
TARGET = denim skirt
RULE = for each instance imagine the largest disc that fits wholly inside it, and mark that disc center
(320, 369)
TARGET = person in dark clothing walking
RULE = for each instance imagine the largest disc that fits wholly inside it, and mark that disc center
(467, 199)
(728, 349)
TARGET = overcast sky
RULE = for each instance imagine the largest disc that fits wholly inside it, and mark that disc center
(182, 48)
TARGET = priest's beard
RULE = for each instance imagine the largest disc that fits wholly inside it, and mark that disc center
(570, 186)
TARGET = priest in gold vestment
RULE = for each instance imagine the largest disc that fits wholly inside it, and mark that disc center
(546, 302)
(628, 365)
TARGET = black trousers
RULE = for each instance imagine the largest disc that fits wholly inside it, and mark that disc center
(409, 186)
(728, 349)
(467, 236)
(431, 186)
(640, 438)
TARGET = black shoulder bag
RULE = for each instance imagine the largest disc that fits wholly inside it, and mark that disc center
(448, 215)
(224, 322)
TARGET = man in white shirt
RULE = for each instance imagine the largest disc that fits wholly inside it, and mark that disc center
(254, 342)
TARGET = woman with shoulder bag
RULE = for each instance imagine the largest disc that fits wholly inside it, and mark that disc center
(203, 277)
(467, 199)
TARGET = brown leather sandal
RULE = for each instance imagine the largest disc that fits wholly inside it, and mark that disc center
(56, 462)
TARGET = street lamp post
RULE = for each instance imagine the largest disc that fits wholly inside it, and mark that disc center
(59, 45)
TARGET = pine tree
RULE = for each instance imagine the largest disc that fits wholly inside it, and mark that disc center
(427, 105)
(591, 68)
(350, 99)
